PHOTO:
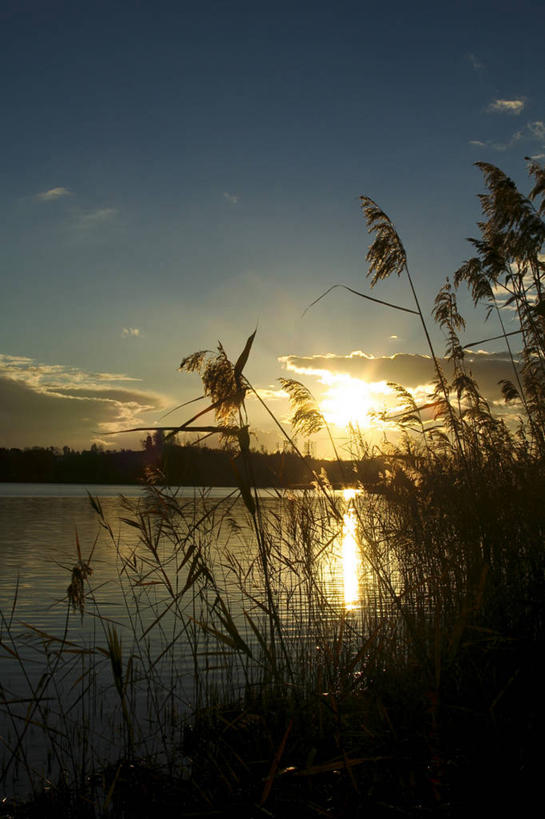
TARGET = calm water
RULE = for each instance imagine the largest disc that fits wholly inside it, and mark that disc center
(40, 527)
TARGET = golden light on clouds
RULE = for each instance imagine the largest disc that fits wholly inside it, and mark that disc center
(351, 388)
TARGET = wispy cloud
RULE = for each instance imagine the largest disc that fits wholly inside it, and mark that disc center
(514, 107)
(92, 218)
(475, 62)
(536, 130)
(531, 132)
(41, 375)
(52, 194)
(270, 393)
(232, 198)
(130, 332)
(478, 143)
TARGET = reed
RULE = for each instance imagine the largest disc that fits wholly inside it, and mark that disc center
(242, 681)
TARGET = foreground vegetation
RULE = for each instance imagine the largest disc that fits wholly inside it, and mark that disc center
(423, 699)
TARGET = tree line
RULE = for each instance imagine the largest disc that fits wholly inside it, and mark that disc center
(172, 464)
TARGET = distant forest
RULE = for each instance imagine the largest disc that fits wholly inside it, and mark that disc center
(171, 464)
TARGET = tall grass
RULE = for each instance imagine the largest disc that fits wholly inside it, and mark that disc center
(244, 681)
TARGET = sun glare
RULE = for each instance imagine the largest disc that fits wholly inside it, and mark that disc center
(348, 401)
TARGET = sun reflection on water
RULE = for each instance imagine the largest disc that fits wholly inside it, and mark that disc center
(350, 552)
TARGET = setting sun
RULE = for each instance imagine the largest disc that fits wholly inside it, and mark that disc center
(351, 401)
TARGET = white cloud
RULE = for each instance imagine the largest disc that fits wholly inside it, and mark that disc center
(478, 143)
(52, 194)
(129, 332)
(514, 107)
(232, 198)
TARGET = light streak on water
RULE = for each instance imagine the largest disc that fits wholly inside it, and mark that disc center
(350, 552)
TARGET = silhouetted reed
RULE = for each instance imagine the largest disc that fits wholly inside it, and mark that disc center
(246, 682)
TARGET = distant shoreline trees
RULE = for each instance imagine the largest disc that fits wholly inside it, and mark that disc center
(172, 464)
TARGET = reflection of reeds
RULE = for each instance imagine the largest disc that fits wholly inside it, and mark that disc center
(247, 681)
(80, 573)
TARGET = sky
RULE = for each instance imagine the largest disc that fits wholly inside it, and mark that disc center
(175, 174)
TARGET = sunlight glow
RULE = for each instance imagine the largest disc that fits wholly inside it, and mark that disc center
(351, 401)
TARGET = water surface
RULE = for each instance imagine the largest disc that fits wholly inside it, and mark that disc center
(48, 529)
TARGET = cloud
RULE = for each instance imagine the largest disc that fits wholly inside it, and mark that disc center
(514, 107)
(93, 218)
(531, 132)
(413, 371)
(52, 194)
(536, 130)
(39, 375)
(129, 332)
(478, 143)
(270, 394)
(114, 377)
(502, 295)
(232, 198)
(106, 394)
(475, 62)
(54, 405)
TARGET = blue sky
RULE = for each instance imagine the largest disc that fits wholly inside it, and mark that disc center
(175, 173)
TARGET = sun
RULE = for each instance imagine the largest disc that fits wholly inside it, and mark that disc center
(348, 401)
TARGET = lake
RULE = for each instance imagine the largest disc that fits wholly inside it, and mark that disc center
(185, 597)
(38, 528)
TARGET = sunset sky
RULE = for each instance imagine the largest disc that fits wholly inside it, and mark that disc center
(177, 173)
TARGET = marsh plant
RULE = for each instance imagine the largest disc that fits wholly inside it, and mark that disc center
(247, 676)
